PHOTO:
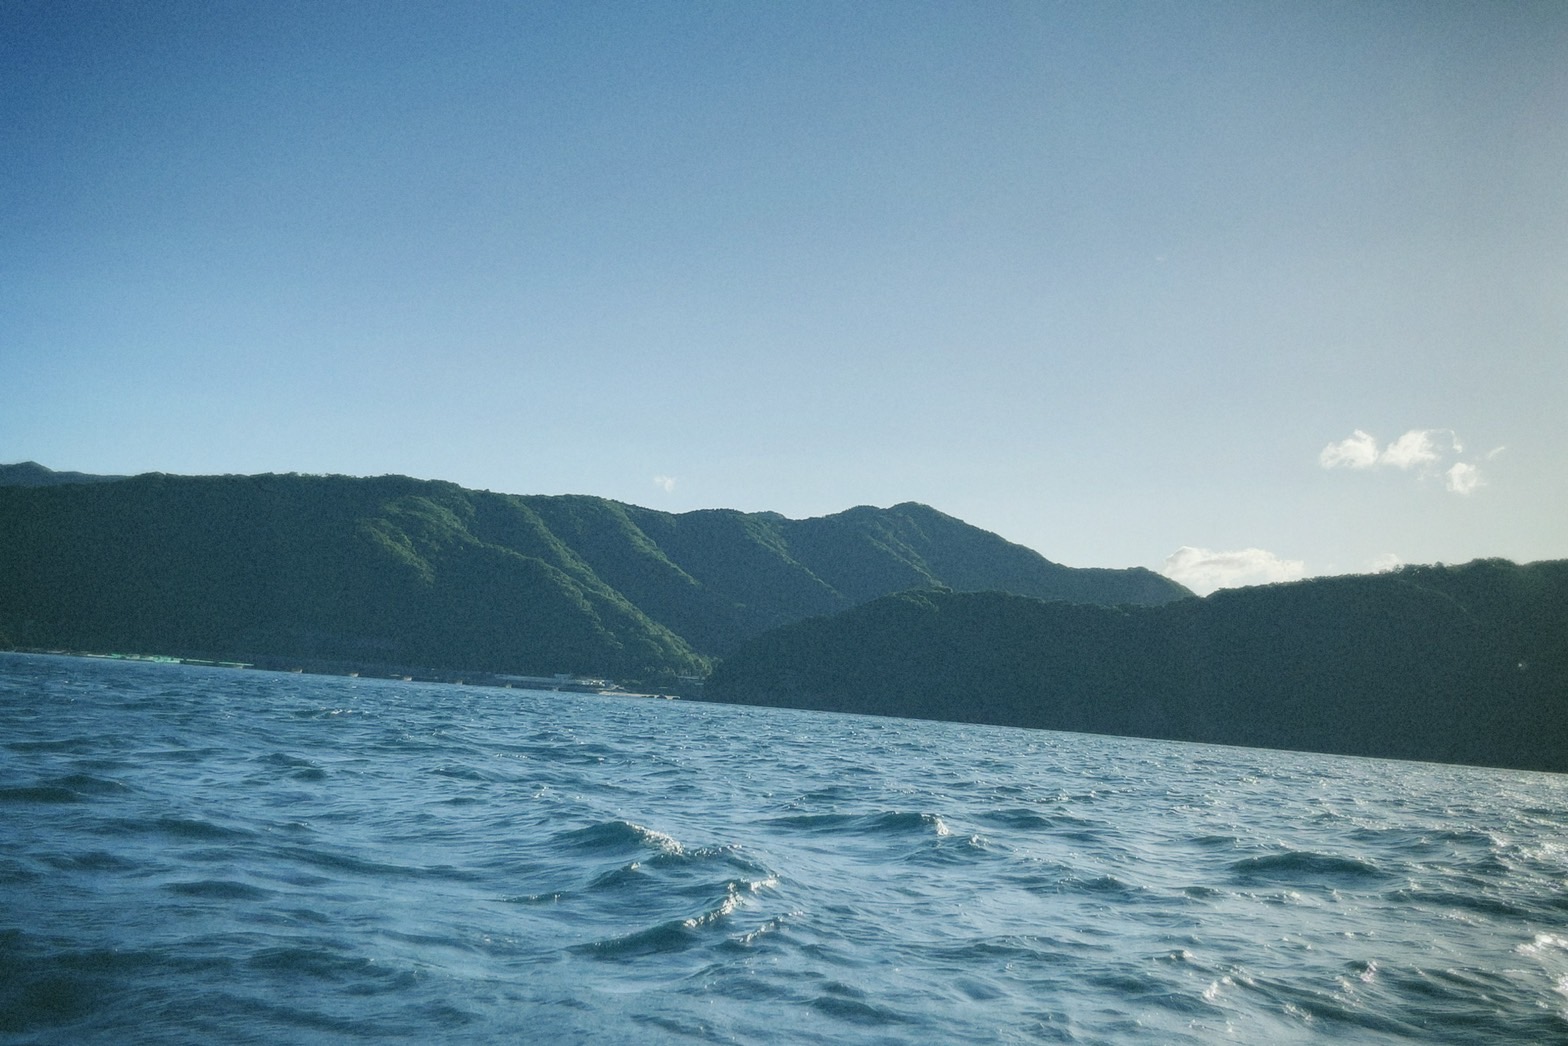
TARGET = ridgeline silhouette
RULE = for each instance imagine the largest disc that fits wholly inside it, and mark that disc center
(404, 572)
(1463, 664)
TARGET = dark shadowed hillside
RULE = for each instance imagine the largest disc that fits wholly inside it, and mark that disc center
(400, 571)
(1456, 664)
(32, 474)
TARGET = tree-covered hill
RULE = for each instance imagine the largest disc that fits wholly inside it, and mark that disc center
(32, 474)
(1455, 664)
(398, 571)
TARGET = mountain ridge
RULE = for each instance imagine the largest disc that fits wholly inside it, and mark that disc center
(1463, 664)
(392, 569)
(32, 474)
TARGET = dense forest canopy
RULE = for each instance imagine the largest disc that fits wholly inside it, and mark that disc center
(1454, 664)
(398, 571)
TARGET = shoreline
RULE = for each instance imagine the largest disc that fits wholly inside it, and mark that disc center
(561, 683)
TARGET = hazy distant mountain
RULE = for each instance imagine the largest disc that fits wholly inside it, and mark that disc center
(392, 570)
(1454, 664)
(32, 474)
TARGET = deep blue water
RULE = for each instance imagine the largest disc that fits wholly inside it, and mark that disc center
(210, 855)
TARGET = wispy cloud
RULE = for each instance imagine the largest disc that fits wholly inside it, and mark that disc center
(1415, 448)
(665, 483)
(1359, 451)
(1424, 451)
(1204, 570)
(1463, 478)
(1384, 562)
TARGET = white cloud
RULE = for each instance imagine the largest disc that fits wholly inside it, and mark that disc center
(1357, 452)
(1384, 562)
(1204, 570)
(1423, 451)
(1415, 447)
(665, 483)
(1463, 478)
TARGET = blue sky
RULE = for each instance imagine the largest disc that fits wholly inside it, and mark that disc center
(1238, 291)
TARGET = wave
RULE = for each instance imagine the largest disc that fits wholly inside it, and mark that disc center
(851, 1005)
(618, 835)
(674, 935)
(1482, 901)
(41, 794)
(886, 823)
(1306, 866)
(220, 890)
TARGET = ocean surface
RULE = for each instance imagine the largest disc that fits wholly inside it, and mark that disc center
(214, 855)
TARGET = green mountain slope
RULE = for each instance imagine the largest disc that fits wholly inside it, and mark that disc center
(397, 571)
(1457, 664)
(387, 571)
(32, 474)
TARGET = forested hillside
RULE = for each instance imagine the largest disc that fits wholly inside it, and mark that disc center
(397, 571)
(901, 611)
(1455, 664)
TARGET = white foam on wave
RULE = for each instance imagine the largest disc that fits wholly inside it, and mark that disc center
(1543, 944)
(665, 843)
(725, 907)
(734, 893)
(775, 923)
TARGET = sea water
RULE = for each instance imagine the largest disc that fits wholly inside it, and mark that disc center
(207, 855)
